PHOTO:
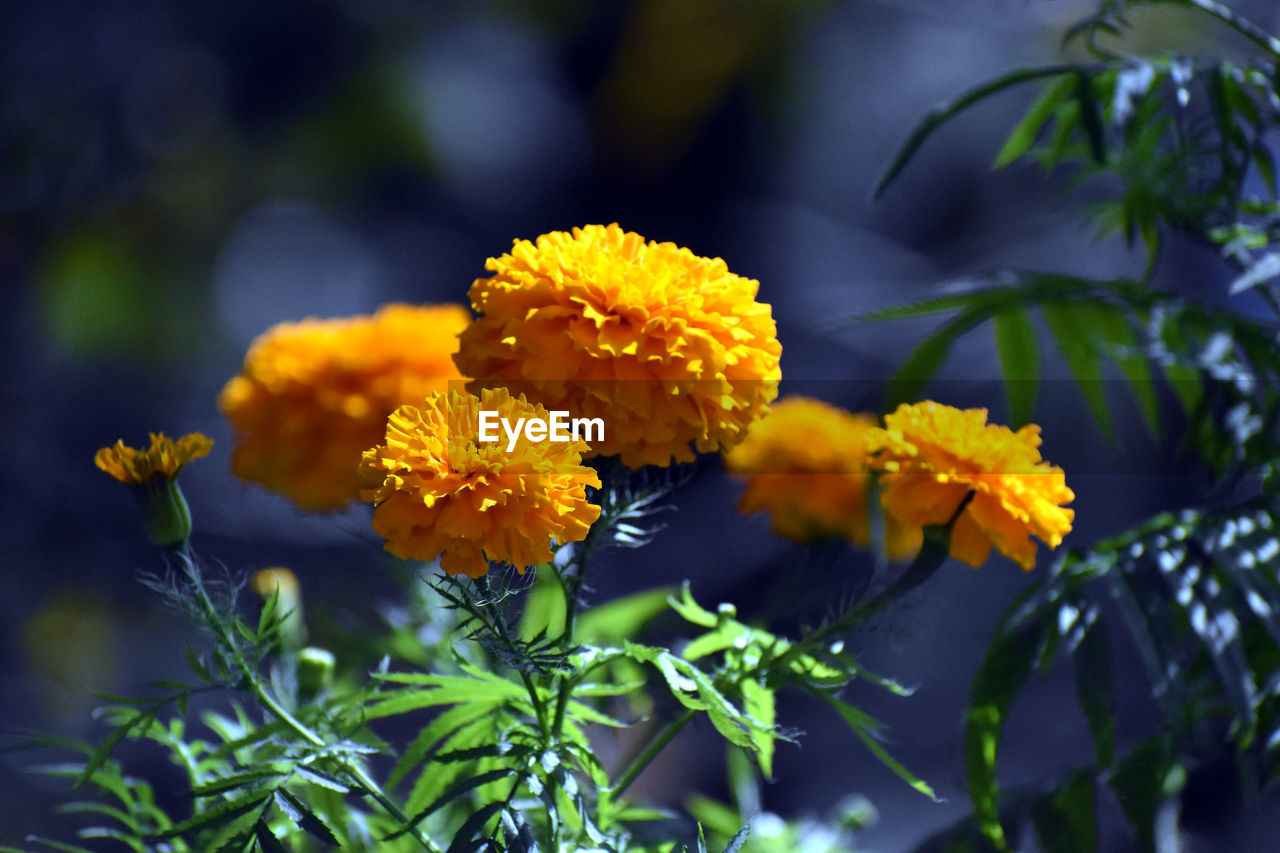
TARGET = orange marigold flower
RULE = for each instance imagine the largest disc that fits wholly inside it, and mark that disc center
(314, 395)
(438, 490)
(667, 347)
(934, 456)
(153, 475)
(164, 458)
(806, 465)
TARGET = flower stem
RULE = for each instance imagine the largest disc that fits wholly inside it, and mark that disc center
(214, 620)
(641, 761)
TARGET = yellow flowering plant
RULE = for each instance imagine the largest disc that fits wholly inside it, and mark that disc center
(499, 706)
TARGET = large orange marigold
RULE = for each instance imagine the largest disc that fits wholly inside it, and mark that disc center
(805, 464)
(314, 395)
(934, 456)
(667, 347)
(441, 492)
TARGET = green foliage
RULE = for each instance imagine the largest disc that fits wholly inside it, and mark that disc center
(1168, 143)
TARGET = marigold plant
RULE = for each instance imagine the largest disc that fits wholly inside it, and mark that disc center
(939, 461)
(164, 458)
(668, 347)
(315, 394)
(441, 492)
(805, 464)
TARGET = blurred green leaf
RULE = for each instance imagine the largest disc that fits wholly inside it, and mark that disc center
(1020, 360)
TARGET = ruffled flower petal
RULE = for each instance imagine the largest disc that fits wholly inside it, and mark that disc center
(805, 464)
(935, 456)
(439, 492)
(669, 348)
(313, 395)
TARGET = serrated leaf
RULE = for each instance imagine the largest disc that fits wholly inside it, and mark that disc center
(455, 791)
(315, 777)
(108, 745)
(1042, 109)
(1019, 359)
(466, 839)
(439, 728)
(304, 817)
(220, 812)
(267, 840)
(1071, 330)
(239, 780)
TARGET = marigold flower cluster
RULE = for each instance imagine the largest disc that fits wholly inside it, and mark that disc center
(670, 348)
(440, 492)
(809, 466)
(164, 458)
(806, 465)
(315, 394)
(934, 457)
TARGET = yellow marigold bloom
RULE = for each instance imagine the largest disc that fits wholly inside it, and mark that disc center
(441, 492)
(153, 475)
(806, 465)
(315, 394)
(935, 455)
(667, 347)
(164, 458)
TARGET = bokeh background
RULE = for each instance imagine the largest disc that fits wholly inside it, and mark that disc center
(174, 178)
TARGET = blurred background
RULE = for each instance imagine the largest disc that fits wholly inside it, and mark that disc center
(175, 178)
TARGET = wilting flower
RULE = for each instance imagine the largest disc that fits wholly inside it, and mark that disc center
(666, 347)
(935, 456)
(153, 475)
(441, 492)
(314, 395)
(806, 465)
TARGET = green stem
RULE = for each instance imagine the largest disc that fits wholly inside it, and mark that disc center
(643, 760)
(357, 773)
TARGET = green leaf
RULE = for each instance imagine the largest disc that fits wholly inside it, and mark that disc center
(942, 113)
(239, 780)
(221, 812)
(1114, 328)
(1097, 691)
(909, 381)
(470, 835)
(58, 845)
(864, 726)
(1042, 109)
(267, 839)
(304, 817)
(1071, 328)
(439, 728)
(1019, 359)
(758, 701)
(739, 839)
(621, 618)
(1148, 775)
(109, 744)
(455, 791)
(1004, 670)
(1065, 821)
